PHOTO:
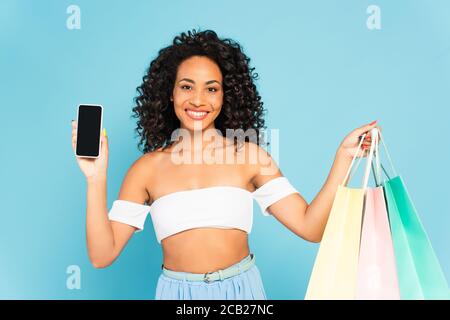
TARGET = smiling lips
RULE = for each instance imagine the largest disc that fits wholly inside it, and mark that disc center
(197, 115)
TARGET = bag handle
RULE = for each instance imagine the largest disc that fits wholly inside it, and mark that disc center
(388, 156)
(377, 171)
(374, 133)
(377, 168)
(356, 168)
(376, 152)
(353, 161)
(365, 181)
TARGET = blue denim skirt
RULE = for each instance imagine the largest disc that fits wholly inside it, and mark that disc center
(246, 285)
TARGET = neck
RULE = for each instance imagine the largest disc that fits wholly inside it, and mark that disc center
(199, 138)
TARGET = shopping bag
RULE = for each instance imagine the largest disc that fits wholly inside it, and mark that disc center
(419, 272)
(377, 274)
(334, 273)
(335, 267)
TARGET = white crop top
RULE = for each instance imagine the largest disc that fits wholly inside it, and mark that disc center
(223, 207)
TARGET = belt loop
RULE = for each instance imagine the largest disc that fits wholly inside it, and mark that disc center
(220, 275)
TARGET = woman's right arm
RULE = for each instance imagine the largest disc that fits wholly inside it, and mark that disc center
(106, 239)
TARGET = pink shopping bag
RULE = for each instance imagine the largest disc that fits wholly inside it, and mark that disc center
(377, 274)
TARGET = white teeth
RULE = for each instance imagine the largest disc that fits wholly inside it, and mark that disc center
(196, 114)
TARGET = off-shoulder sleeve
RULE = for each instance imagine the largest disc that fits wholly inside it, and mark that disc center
(128, 212)
(271, 192)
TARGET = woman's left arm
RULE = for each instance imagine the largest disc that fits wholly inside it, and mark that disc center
(308, 221)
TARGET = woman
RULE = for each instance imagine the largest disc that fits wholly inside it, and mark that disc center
(197, 182)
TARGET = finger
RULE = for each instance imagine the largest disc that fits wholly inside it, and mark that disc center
(360, 131)
(104, 147)
(368, 136)
(74, 124)
(365, 146)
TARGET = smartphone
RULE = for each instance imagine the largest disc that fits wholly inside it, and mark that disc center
(89, 127)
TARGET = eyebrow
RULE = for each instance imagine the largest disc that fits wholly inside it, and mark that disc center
(192, 81)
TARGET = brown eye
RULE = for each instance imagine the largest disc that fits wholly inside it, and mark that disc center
(212, 89)
(185, 87)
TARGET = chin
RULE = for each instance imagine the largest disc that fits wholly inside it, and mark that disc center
(191, 125)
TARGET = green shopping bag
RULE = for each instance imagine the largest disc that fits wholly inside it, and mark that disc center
(419, 272)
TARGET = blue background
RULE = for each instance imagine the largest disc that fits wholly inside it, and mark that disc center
(322, 74)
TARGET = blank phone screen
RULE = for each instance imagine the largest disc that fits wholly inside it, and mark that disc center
(88, 132)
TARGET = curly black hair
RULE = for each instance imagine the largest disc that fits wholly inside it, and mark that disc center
(242, 106)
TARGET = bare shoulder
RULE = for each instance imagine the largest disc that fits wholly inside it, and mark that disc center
(257, 157)
(261, 165)
(138, 177)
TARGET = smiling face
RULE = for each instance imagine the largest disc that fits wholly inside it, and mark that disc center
(198, 93)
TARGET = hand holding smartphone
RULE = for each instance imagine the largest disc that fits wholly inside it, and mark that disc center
(88, 142)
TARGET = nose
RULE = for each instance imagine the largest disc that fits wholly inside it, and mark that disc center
(197, 99)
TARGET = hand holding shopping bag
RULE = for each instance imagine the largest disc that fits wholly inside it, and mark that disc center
(338, 273)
